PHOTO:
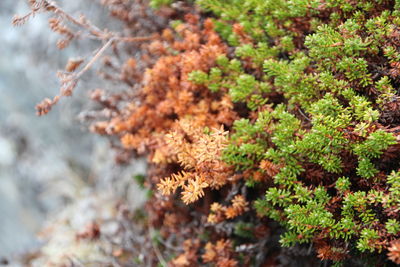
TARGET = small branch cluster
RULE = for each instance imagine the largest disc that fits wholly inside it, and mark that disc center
(69, 78)
(220, 213)
(220, 253)
(199, 153)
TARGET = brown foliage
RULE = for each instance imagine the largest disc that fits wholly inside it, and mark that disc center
(167, 118)
(92, 231)
(220, 213)
(220, 253)
(199, 153)
(394, 252)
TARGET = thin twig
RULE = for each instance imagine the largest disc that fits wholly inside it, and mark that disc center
(160, 257)
(107, 45)
(304, 115)
(135, 39)
(94, 58)
(70, 80)
(90, 27)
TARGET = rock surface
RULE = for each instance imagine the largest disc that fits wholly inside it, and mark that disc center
(46, 162)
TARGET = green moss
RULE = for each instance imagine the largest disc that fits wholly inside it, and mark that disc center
(328, 63)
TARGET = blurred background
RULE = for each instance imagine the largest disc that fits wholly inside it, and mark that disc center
(49, 163)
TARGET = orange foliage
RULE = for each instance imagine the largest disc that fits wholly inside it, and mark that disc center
(200, 154)
(168, 95)
(394, 251)
(221, 253)
(188, 257)
(220, 213)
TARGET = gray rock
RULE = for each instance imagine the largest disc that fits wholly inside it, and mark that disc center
(46, 162)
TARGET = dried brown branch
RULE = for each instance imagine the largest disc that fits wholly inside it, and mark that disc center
(70, 80)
